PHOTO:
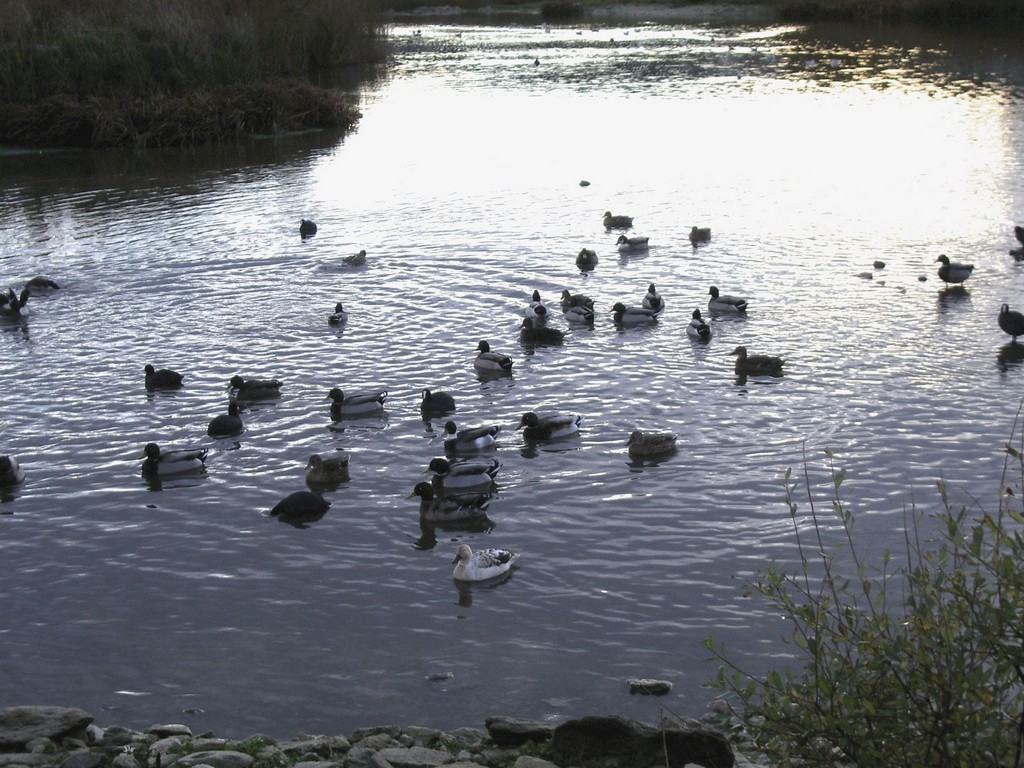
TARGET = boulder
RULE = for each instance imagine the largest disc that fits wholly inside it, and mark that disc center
(83, 759)
(219, 758)
(414, 757)
(512, 732)
(19, 725)
(649, 686)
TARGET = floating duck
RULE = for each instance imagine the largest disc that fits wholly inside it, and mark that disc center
(226, 424)
(531, 332)
(359, 404)
(482, 564)
(42, 284)
(617, 222)
(254, 389)
(575, 300)
(536, 309)
(174, 462)
(952, 272)
(436, 402)
(647, 444)
(301, 506)
(724, 303)
(700, 235)
(489, 361)
(339, 315)
(1011, 321)
(446, 509)
(1018, 232)
(460, 474)
(11, 472)
(469, 439)
(307, 228)
(586, 260)
(14, 305)
(356, 259)
(652, 299)
(633, 315)
(327, 471)
(632, 244)
(550, 427)
(757, 365)
(162, 378)
(579, 314)
(698, 329)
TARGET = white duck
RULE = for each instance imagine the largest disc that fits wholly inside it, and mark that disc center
(482, 564)
(632, 244)
(698, 329)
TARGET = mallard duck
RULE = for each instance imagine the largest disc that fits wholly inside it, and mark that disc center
(643, 443)
(301, 505)
(723, 303)
(11, 472)
(339, 315)
(254, 389)
(356, 259)
(698, 329)
(652, 299)
(617, 222)
(753, 365)
(1018, 232)
(226, 424)
(579, 314)
(437, 402)
(359, 404)
(444, 509)
(42, 284)
(531, 332)
(14, 304)
(586, 260)
(536, 309)
(953, 272)
(461, 474)
(322, 470)
(700, 235)
(1011, 321)
(486, 360)
(469, 439)
(633, 315)
(575, 300)
(632, 244)
(482, 564)
(174, 462)
(162, 378)
(551, 427)
(307, 228)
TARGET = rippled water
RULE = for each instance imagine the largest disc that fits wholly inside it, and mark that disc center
(810, 154)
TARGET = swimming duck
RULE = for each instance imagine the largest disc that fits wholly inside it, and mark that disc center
(461, 474)
(652, 299)
(700, 235)
(14, 305)
(1018, 232)
(254, 389)
(698, 329)
(586, 260)
(953, 272)
(11, 472)
(643, 443)
(339, 315)
(1011, 321)
(444, 509)
(301, 505)
(42, 284)
(575, 300)
(173, 462)
(632, 315)
(617, 222)
(469, 439)
(356, 259)
(356, 405)
(765, 365)
(327, 471)
(226, 424)
(550, 427)
(307, 228)
(162, 378)
(482, 564)
(632, 244)
(579, 314)
(723, 303)
(532, 332)
(486, 360)
(536, 309)
(437, 402)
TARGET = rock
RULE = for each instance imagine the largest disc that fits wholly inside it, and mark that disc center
(24, 759)
(359, 757)
(879, 264)
(318, 745)
(414, 757)
(19, 725)
(116, 736)
(83, 760)
(124, 760)
(527, 761)
(649, 687)
(218, 758)
(169, 729)
(512, 732)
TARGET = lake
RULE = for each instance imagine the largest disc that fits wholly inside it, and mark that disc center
(810, 152)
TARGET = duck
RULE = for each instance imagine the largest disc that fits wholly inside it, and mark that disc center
(301, 505)
(482, 564)
(586, 260)
(322, 470)
(700, 235)
(579, 314)
(536, 309)
(1018, 232)
(356, 405)
(570, 299)
(633, 315)
(531, 332)
(617, 222)
(446, 509)
(765, 365)
(652, 299)
(11, 472)
(632, 244)
(436, 402)
(356, 259)
(486, 360)
(724, 303)
(551, 427)
(307, 228)
(469, 439)
(339, 315)
(953, 272)
(42, 284)
(162, 378)
(461, 474)
(15, 304)
(698, 329)
(226, 424)
(650, 443)
(254, 389)
(174, 462)
(1011, 321)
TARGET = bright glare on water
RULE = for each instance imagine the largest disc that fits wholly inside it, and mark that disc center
(810, 155)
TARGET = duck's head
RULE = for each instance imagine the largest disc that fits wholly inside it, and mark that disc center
(150, 370)
(425, 491)
(438, 466)
(151, 451)
(528, 323)
(450, 428)
(740, 352)
(237, 382)
(338, 307)
(651, 288)
(943, 258)
(463, 553)
(336, 395)
(619, 307)
(622, 239)
(536, 295)
(696, 314)
(713, 291)
(483, 346)
(529, 419)
(232, 408)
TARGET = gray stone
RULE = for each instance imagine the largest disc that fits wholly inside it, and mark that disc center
(378, 741)
(83, 760)
(318, 764)
(414, 757)
(116, 736)
(208, 743)
(359, 757)
(164, 745)
(318, 745)
(169, 729)
(19, 725)
(41, 746)
(23, 758)
(361, 733)
(124, 760)
(526, 761)
(649, 687)
(674, 746)
(469, 736)
(218, 758)
(513, 732)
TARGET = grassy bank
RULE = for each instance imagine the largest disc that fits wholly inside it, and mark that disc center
(136, 73)
(932, 11)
